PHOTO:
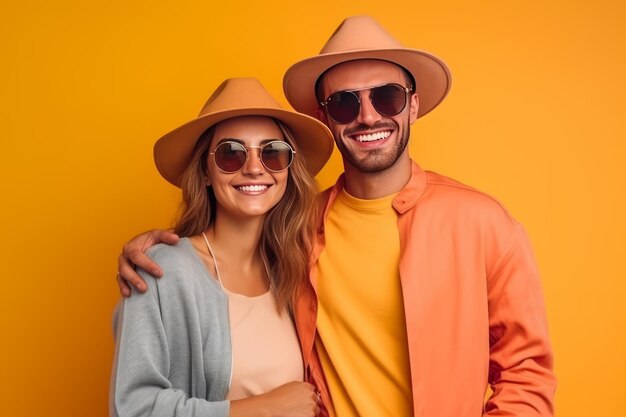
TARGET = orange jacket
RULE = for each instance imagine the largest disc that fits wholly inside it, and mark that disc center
(473, 303)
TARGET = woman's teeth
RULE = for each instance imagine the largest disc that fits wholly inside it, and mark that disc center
(252, 188)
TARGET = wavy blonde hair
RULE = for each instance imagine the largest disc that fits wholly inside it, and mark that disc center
(286, 239)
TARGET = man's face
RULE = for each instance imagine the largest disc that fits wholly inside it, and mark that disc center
(371, 142)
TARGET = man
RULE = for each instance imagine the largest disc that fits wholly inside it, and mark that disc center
(423, 290)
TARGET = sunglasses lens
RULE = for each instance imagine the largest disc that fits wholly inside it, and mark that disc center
(343, 107)
(277, 156)
(388, 100)
(230, 156)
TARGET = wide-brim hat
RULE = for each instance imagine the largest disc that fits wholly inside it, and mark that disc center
(361, 37)
(241, 97)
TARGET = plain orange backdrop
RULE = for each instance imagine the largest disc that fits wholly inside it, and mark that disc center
(535, 117)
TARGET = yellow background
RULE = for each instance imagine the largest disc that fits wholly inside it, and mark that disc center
(535, 117)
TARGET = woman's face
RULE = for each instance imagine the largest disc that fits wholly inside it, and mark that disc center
(251, 190)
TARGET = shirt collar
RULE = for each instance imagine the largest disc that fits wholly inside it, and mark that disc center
(405, 200)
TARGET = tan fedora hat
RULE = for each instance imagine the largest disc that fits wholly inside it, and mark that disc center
(361, 37)
(241, 97)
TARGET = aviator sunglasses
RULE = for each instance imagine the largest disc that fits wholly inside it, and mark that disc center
(230, 156)
(388, 99)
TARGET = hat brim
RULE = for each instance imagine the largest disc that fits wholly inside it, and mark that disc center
(173, 151)
(432, 76)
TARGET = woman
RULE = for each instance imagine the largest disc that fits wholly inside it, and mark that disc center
(215, 338)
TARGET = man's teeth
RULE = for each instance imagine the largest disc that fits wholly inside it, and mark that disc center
(252, 188)
(373, 136)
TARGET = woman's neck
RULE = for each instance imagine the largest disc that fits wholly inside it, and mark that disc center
(239, 238)
(235, 244)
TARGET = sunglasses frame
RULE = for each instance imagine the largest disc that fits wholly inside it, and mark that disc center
(260, 148)
(406, 90)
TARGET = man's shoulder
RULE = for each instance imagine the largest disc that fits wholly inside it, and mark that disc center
(436, 179)
(454, 193)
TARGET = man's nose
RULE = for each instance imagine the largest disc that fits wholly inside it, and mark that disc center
(367, 113)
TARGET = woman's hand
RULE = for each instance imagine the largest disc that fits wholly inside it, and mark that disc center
(294, 399)
(133, 255)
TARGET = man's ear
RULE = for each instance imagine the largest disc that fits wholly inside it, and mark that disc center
(414, 105)
(320, 115)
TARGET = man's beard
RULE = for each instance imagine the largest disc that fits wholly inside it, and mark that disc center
(377, 160)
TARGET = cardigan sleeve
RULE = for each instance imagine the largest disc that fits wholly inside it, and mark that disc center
(140, 384)
(520, 358)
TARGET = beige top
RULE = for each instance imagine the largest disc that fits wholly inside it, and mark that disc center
(265, 347)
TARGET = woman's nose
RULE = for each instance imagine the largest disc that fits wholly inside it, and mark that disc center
(253, 165)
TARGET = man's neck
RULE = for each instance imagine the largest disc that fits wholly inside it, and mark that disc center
(369, 186)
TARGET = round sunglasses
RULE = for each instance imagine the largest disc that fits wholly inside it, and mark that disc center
(387, 99)
(230, 156)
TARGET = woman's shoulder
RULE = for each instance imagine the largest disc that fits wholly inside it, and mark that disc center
(180, 264)
(162, 252)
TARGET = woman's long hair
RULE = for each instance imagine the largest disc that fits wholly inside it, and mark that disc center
(285, 244)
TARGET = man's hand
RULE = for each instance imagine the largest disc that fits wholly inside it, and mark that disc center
(133, 255)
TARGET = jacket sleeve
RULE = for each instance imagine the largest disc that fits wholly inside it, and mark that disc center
(140, 385)
(520, 363)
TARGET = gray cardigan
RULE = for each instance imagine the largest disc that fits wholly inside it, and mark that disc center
(173, 352)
